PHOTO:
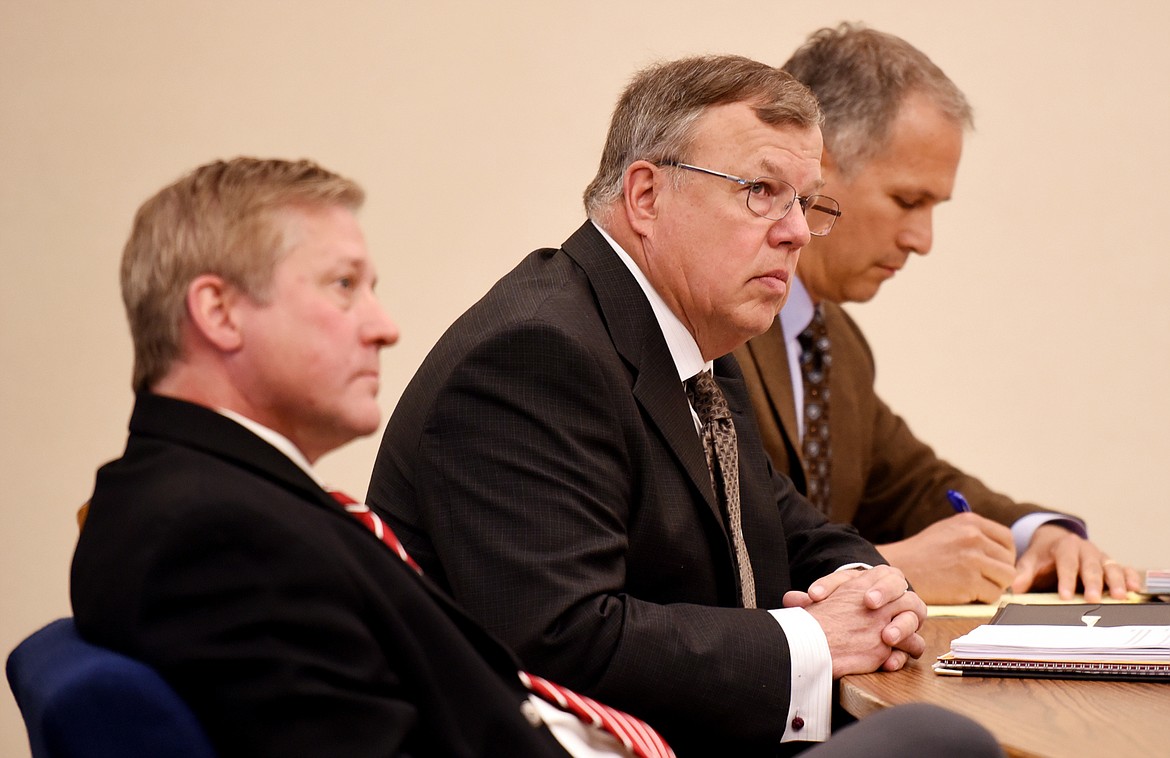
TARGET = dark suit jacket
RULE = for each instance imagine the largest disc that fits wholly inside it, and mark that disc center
(543, 462)
(884, 480)
(284, 622)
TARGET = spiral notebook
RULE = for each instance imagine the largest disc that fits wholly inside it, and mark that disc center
(1084, 641)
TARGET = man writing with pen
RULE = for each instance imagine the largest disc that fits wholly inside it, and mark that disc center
(893, 136)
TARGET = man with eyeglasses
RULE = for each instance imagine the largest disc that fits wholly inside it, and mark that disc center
(577, 463)
(893, 135)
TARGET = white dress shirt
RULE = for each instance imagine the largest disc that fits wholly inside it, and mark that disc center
(812, 664)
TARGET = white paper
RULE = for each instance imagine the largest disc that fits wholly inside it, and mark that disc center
(1059, 643)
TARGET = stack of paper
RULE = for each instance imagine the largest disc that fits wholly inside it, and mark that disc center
(1076, 642)
(1065, 643)
(1157, 582)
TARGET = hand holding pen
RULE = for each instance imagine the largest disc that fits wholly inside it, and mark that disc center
(956, 560)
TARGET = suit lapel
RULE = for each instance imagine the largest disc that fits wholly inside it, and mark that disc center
(204, 429)
(769, 349)
(633, 328)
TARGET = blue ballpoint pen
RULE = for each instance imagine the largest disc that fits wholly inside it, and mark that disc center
(958, 502)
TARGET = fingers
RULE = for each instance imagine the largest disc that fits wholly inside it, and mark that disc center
(987, 552)
(1072, 558)
(902, 634)
(984, 590)
(882, 585)
(827, 585)
(796, 599)
(1098, 574)
(1092, 576)
(897, 660)
(1003, 544)
(1070, 564)
(1133, 580)
(1025, 574)
(1076, 558)
(995, 574)
(960, 559)
(1120, 580)
(867, 618)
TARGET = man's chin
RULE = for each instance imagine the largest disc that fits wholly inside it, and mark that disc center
(362, 423)
(861, 294)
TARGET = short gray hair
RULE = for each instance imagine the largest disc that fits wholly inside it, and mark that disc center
(655, 117)
(861, 77)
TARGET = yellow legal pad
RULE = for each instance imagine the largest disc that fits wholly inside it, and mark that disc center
(987, 610)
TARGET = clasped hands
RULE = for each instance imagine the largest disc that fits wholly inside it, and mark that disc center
(870, 618)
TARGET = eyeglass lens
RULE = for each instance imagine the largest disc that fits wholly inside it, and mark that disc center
(772, 199)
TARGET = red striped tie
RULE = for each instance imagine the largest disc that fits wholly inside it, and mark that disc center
(634, 734)
(638, 736)
(375, 524)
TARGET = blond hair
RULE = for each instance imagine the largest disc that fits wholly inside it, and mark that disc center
(222, 218)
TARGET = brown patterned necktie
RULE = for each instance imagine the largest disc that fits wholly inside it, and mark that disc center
(722, 450)
(638, 737)
(815, 362)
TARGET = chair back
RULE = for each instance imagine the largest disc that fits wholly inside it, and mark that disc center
(84, 701)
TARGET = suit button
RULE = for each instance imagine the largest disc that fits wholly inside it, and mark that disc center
(797, 723)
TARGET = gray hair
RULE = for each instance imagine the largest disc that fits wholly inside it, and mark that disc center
(861, 78)
(655, 117)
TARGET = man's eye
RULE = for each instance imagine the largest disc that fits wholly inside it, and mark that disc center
(905, 204)
(761, 189)
(347, 282)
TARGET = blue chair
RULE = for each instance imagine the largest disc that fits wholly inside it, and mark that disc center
(83, 701)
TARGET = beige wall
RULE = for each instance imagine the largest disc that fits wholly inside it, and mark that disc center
(1044, 295)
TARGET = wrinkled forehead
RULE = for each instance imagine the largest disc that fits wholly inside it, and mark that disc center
(736, 141)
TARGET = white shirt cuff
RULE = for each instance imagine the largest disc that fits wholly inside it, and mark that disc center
(810, 710)
(1026, 526)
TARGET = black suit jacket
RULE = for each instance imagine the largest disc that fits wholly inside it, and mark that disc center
(544, 464)
(284, 622)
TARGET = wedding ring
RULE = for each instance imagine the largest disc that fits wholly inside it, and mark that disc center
(1108, 562)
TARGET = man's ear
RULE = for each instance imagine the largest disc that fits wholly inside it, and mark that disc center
(641, 187)
(211, 305)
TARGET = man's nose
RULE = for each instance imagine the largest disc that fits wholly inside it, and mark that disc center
(379, 327)
(917, 234)
(791, 230)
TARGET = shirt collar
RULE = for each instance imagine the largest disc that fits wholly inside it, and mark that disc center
(276, 439)
(797, 312)
(688, 360)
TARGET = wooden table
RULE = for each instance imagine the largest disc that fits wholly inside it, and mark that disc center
(1029, 717)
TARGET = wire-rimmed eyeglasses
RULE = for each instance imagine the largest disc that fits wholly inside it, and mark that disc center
(772, 198)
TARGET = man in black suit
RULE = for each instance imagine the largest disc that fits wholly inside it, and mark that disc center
(546, 466)
(212, 552)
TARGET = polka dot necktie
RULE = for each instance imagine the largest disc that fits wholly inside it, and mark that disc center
(638, 737)
(815, 362)
(722, 450)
